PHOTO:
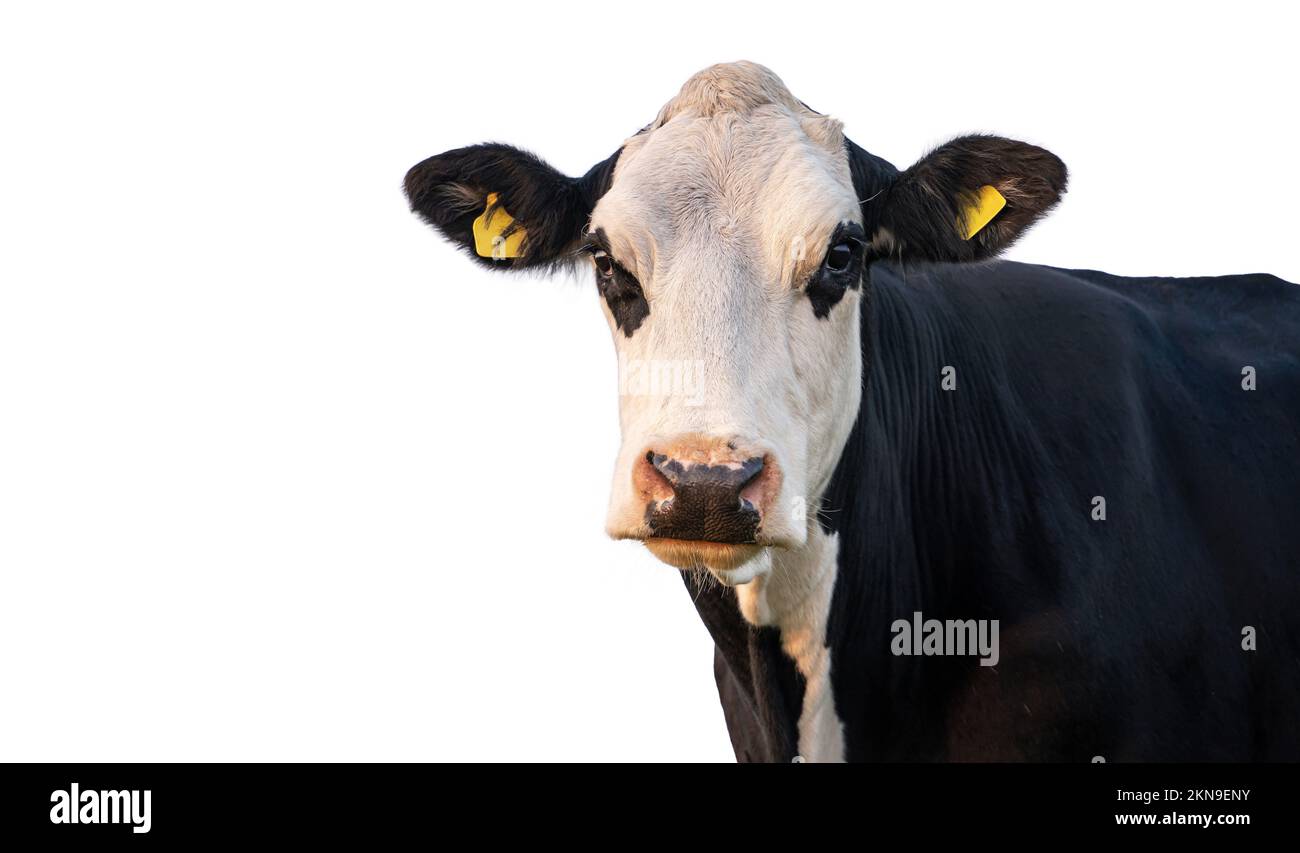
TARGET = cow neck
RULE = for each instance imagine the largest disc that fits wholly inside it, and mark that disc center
(928, 475)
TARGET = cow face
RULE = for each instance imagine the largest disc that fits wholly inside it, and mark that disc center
(728, 241)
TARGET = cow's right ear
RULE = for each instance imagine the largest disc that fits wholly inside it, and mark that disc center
(506, 207)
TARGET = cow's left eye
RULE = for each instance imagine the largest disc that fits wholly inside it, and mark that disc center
(604, 263)
(840, 256)
(840, 268)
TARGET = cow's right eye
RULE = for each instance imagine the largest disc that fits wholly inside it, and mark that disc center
(604, 263)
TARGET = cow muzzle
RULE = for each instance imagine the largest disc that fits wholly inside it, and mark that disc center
(706, 503)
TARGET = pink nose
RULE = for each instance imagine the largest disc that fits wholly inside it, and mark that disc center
(706, 491)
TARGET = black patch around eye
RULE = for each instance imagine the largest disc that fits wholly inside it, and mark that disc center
(840, 270)
(625, 299)
(620, 289)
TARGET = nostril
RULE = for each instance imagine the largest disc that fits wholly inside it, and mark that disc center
(759, 490)
(650, 482)
(750, 469)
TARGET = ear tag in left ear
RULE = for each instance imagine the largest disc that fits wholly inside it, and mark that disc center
(988, 204)
(490, 240)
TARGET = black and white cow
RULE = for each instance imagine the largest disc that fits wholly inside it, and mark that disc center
(893, 442)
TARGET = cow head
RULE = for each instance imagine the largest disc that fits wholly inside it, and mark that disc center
(728, 240)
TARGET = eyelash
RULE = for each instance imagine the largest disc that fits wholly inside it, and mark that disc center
(607, 269)
(599, 253)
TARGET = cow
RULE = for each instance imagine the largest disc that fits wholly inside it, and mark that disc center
(930, 505)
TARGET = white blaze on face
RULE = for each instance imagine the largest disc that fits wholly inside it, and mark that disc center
(722, 209)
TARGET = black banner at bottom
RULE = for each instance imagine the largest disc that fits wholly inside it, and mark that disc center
(143, 803)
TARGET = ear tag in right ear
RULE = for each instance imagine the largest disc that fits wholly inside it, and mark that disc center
(490, 239)
(988, 204)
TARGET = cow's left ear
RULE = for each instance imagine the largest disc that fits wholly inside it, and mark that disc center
(507, 208)
(967, 200)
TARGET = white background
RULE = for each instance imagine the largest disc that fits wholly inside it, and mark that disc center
(283, 476)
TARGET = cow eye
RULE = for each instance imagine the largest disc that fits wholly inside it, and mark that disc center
(840, 256)
(604, 263)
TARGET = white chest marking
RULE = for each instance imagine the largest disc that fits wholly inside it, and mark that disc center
(796, 597)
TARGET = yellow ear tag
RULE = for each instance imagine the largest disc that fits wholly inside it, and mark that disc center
(981, 213)
(489, 233)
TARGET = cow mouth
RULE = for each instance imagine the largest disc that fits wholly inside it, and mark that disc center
(700, 554)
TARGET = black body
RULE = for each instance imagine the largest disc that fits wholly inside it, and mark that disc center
(1120, 638)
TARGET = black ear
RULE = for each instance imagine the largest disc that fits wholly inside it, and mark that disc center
(930, 210)
(549, 210)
